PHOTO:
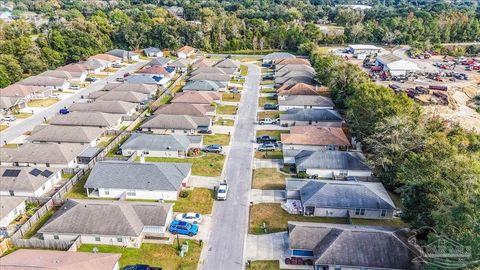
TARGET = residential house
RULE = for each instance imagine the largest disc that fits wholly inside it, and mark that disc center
(208, 70)
(133, 87)
(363, 49)
(88, 119)
(160, 61)
(301, 89)
(128, 222)
(95, 66)
(158, 71)
(153, 52)
(204, 85)
(279, 63)
(66, 134)
(127, 96)
(42, 154)
(137, 180)
(222, 78)
(272, 57)
(314, 138)
(228, 66)
(150, 145)
(124, 55)
(88, 155)
(148, 79)
(298, 79)
(304, 101)
(206, 98)
(117, 107)
(315, 117)
(203, 62)
(48, 82)
(185, 52)
(28, 181)
(180, 65)
(59, 260)
(281, 79)
(341, 246)
(10, 208)
(396, 66)
(330, 198)
(176, 124)
(282, 69)
(27, 92)
(77, 71)
(186, 109)
(11, 103)
(61, 74)
(332, 164)
(107, 59)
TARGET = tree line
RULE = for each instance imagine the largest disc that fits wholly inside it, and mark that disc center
(433, 166)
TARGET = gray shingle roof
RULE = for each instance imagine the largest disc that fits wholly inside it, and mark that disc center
(180, 63)
(118, 107)
(138, 176)
(42, 153)
(164, 121)
(57, 74)
(294, 73)
(101, 217)
(127, 96)
(25, 181)
(320, 115)
(227, 63)
(202, 85)
(210, 70)
(354, 246)
(93, 119)
(160, 61)
(210, 77)
(342, 194)
(151, 142)
(43, 81)
(300, 79)
(185, 109)
(143, 78)
(290, 67)
(131, 87)
(278, 55)
(68, 134)
(121, 53)
(150, 50)
(306, 100)
(341, 160)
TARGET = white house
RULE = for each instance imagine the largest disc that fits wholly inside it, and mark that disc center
(176, 124)
(10, 208)
(185, 52)
(153, 52)
(137, 180)
(28, 181)
(104, 222)
(287, 102)
(66, 134)
(150, 145)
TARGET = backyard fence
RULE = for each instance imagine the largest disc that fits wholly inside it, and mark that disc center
(5, 245)
(42, 244)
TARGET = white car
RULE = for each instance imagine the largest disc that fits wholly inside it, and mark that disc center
(75, 87)
(194, 218)
(9, 118)
(221, 192)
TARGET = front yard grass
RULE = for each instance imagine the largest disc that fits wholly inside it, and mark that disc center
(165, 256)
(268, 178)
(237, 81)
(272, 133)
(205, 165)
(276, 218)
(276, 154)
(22, 115)
(268, 90)
(224, 122)
(220, 139)
(231, 97)
(40, 222)
(199, 200)
(227, 109)
(268, 114)
(3, 127)
(267, 100)
(243, 70)
(264, 265)
(267, 82)
(47, 102)
(78, 191)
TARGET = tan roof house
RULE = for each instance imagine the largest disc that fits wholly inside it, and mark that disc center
(66, 134)
(186, 109)
(196, 97)
(28, 92)
(89, 119)
(118, 107)
(185, 51)
(301, 89)
(314, 138)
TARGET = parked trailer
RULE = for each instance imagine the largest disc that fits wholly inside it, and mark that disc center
(438, 87)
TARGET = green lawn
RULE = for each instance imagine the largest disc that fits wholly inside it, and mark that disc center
(238, 81)
(22, 115)
(267, 100)
(266, 82)
(243, 70)
(165, 256)
(199, 200)
(224, 122)
(276, 154)
(227, 109)
(78, 191)
(272, 133)
(42, 102)
(35, 227)
(221, 139)
(3, 127)
(276, 218)
(268, 90)
(268, 178)
(230, 97)
(264, 265)
(268, 114)
(205, 165)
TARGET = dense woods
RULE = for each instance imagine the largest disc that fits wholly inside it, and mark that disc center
(434, 167)
(77, 29)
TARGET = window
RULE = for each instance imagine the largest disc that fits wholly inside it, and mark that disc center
(97, 238)
(56, 237)
(107, 191)
(12, 193)
(383, 212)
(119, 239)
(146, 152)
(47, 164)
(343, 173)
(131, 193)
(338, 268)
(359, 211)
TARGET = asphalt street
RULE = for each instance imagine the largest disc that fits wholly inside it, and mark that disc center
(225, 248)
(27, 124)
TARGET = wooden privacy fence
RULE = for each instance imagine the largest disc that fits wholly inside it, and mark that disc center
(42, 244)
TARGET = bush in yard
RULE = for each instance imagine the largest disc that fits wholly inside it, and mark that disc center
(302, 175)
(184, 194)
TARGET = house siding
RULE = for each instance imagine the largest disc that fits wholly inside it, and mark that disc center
(70, 164)
(310, 123)
(328, 173)
(150, 153)
(139, 194)
(288, 107)
(20, 209)
(308, 147)
(127, 241)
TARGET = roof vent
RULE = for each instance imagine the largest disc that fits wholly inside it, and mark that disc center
(169, 147)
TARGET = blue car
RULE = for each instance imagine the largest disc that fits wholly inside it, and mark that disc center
(182, 227)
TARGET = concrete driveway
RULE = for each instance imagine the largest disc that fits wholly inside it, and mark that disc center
(267, 196)
(27, 124)
(225, 247)
(273, 246)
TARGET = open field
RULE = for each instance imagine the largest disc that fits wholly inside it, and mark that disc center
(3, 127)
(268, 114)
(224, 122)
(264, 265)
(243, 70)
(22, 115)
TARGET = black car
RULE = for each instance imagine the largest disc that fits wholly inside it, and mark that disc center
(141, 267)
(204, 131)
(265, 139)
(214, 148)
(91, 79)
(268, 77)
(270, 106)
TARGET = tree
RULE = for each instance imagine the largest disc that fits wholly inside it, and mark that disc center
(4, 80)
(12, 67)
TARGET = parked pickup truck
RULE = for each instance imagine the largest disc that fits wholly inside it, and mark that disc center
(268, 121)
(265, 139)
